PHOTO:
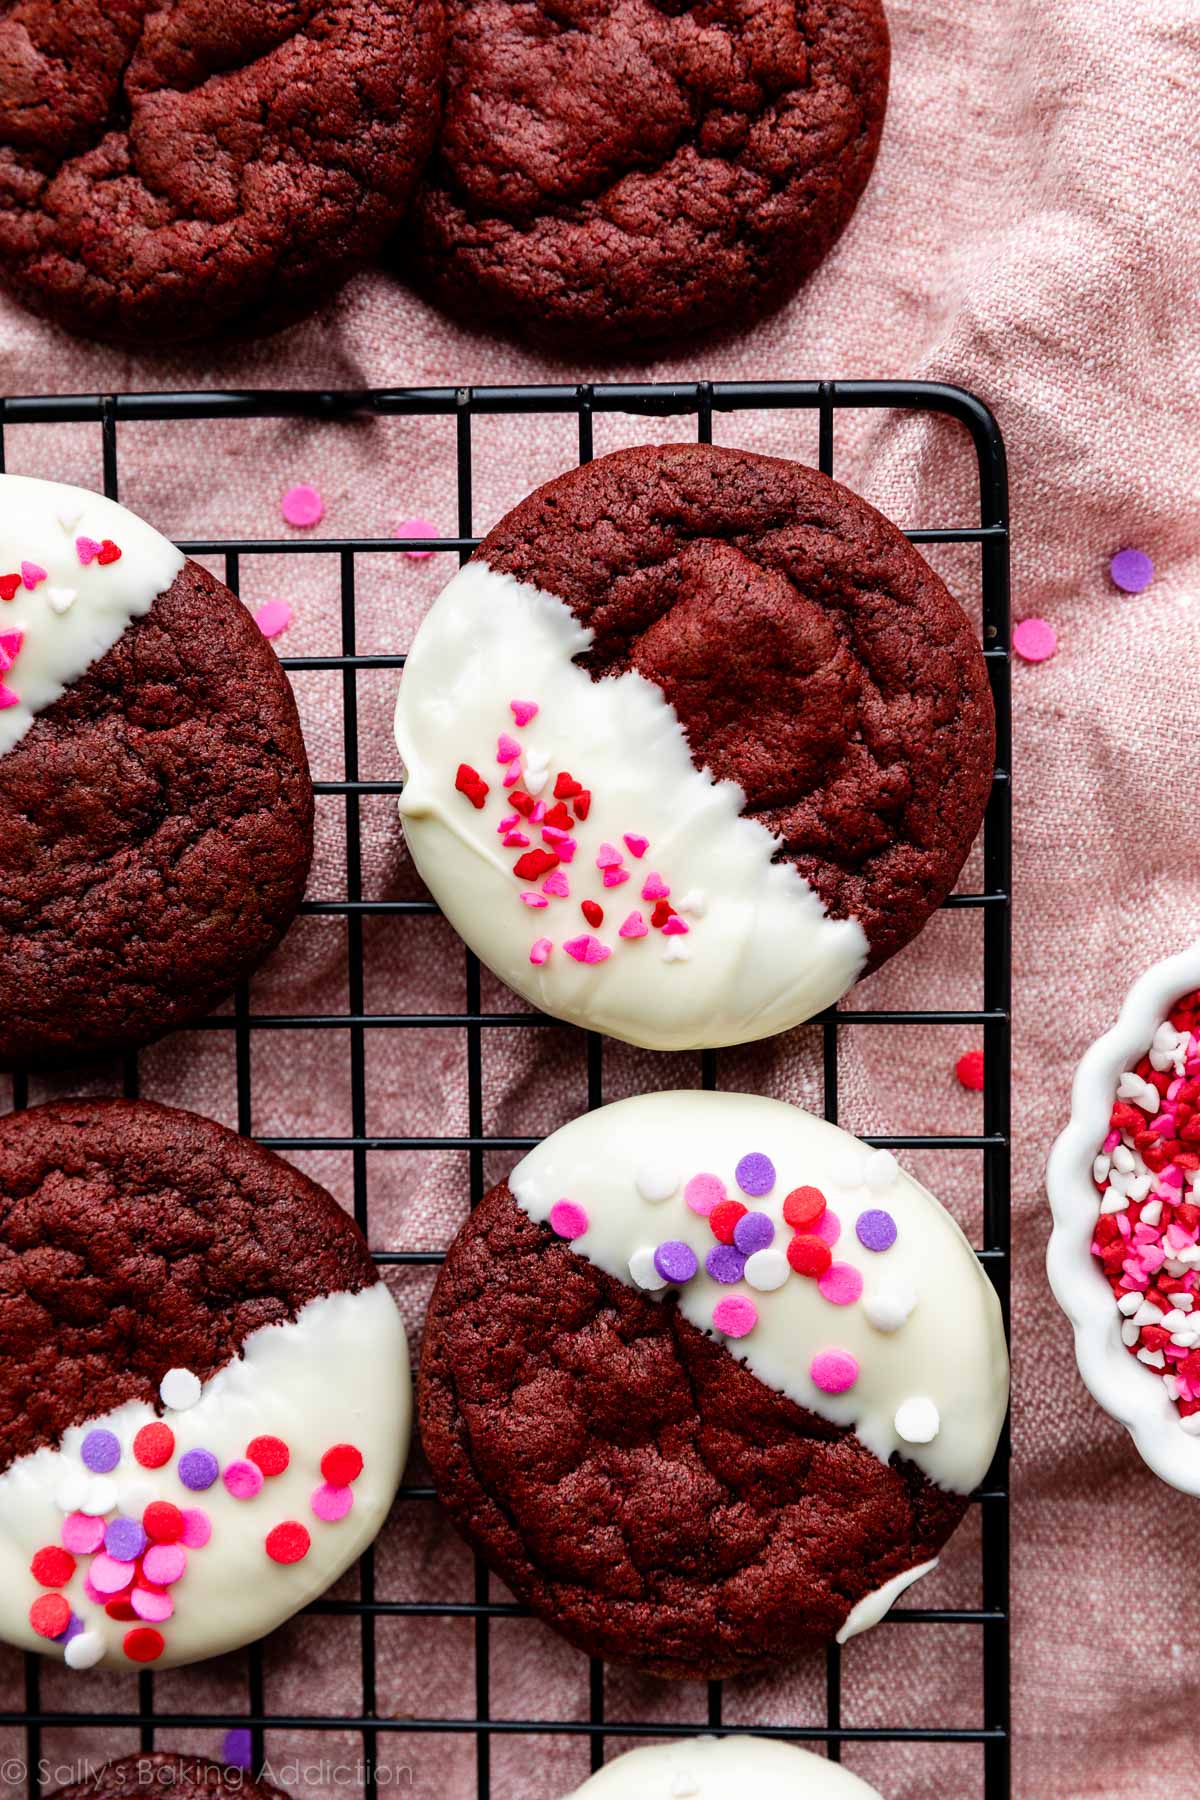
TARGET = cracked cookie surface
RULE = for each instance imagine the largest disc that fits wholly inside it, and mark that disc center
(171, 171)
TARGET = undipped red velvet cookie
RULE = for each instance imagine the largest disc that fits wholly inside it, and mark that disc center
(623, 173)
(172, 170)
(189, 1451)
(156, 811)
(158, 1772)
(707, 1382)
(694, 739)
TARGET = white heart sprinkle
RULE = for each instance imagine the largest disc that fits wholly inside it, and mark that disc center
(694, 902)
(676, 951)
(61, 599)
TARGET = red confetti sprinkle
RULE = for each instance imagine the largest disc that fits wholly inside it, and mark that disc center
(50, 1615)
(120, 1610)
(8, 586)
(969, 1069)
(163, 1522)
(803, 1207)
(468, 781)
(144, 1645)
(583, 804)
(270, 1453)
(724, 1217)
(52, 1566)
(565, 786)
(154, 1445)
(108, 552)
(809, 1255)
(288, 1543)
(342, 1465)
(534, 864)
(593, 912)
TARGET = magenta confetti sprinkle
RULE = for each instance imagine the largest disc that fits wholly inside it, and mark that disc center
(101, 1450)
(302, 505)
(273, 617)
(675, 1261)
(567, 1220)
(755, 1174)
(418, 528)
(735, 1315)
(875, 1230)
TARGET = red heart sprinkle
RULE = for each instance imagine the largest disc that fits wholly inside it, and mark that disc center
(523, 802)
(662, 912)
(8, 586)
(108, 552)
(565, 786)
(582, 803)
(592, 912)
(469, 782)
(533, 864)
(559, 817)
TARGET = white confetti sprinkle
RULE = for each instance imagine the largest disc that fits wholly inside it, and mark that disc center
(84, 1650)
(917, 1421)
(767, 1270)
(179, 1389)
(889, 1307)
(99, 1498)
(641, 1267)
(1191, 1424)
(656, 1181)
(72, 1491)
(881, 1170)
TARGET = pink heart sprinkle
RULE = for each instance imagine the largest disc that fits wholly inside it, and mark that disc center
(7, 697)
(273, 618)
(512, 775)
(533, 899)
(655, 888)
(555, 884)
(87, 550)
(565, 849)
(523, 710)
(540, 951)
(507, 823)
(675, 927)
(614, 877)
(634, 927)
(587, 949)
(637, 846)
(607, 856)
(32, 573)
(555, 834)
(507, 748)
(10, 643)
(538, 813)
(516, 840)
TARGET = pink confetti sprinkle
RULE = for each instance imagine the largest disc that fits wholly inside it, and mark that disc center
(539, 951)
(87, 550)
(1035, 640)
(108, 1576)
(93, 1592)
(615, 877)
(655, 888)
(516, 840)
(197, 1527)
(82, 1534)
(635, 843)
(151, 1606)
(556, 885)
(532, 899)
(163, 1563)
(567, 1219)
(735, 1315)
(675, 926)
(242, 1479)
(507, 748)
(833, 1371)
(608, 857)
(634, 927)
(703, 1193)
(587, 949)
(302, 505)
(331, 1503)
(841, 1284)
(420, 528)
(8, 698)
(523, 710)
(32, 573)
(273, 617)
(828, 1227)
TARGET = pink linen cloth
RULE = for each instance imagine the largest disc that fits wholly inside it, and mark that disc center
(1030, 234)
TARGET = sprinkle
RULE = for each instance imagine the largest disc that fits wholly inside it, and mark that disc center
(119, 1608)
(107, 1575)
(540, 949)
(767, 1270)
(828, 1227)
(50, 1615)
(841, 1284)
(635, 843)
(61, 599)
(676, 1261)
(675, 926)
(735, 1315)
(656, 1181)
(875, 1230)
(331, 1503)
(808, 1255)
(243, 1478)
(124, 1539)
(8, 586)
(662, 912)
(694, 902)
(567, 1220)
(1035, 640)
(522, 710)
(101, 1450)
(87, 550)
(1131, 570)
(634, 927)
(723, 1219)
(71, 1491)
(969, 1069)
(179, 1389)
(468, 781)
(302, 506)
(582, 804)
(270, 1453)
(753, 1231)
(32, 573)
(10, 644)
(418, 528)
(917, 1421)
(608, 857)
(8, 697)
(81, 1533)
(592, 912)
(725, 1264)
(164, 1563)
(52, 1566)
(507, 748)
(755, 1174)
(163, 1522)
(703, 1193)
(803, 1207)
(143, 1644)
(534, 864)
(197, 1528)
(641, 1267)
(237, 1749)
(557, 886)
(154, 1445)
(273, 617)
(99, 1497)
(198, 1469)
(587, 949)
(654, 888)
(151, 1605)
(108, 553)
(833, 1371)
(288, 1543)
(676, 952)
(889, 1307)
(84, 1651)
(615, 877)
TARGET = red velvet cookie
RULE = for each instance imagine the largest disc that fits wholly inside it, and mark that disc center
(171, 171)
(156, 810)
(618, 174)
(159, 1772)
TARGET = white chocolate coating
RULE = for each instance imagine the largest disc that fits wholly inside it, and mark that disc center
(876, 1606)
(759, 954)
(338, 1374)
(731, 1768)
(77, 611)
(949, 1349)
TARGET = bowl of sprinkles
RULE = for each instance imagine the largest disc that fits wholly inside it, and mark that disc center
(1124, 1187)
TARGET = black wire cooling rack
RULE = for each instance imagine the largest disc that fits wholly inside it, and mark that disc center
(463, 406)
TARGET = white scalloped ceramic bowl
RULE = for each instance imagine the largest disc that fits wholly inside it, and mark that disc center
(1124, 1387)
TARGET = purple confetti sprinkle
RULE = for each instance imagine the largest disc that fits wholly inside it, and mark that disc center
(876, 1230)
(753, 1231)
(1131, 570)
(237, 1749)
(74, 1627)
(124, 1540)
(724, 1263)
(198, 1469)
(755, 1174)
(101, 1450)
(675, 1261)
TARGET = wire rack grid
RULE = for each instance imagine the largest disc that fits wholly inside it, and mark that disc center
(699, 401)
